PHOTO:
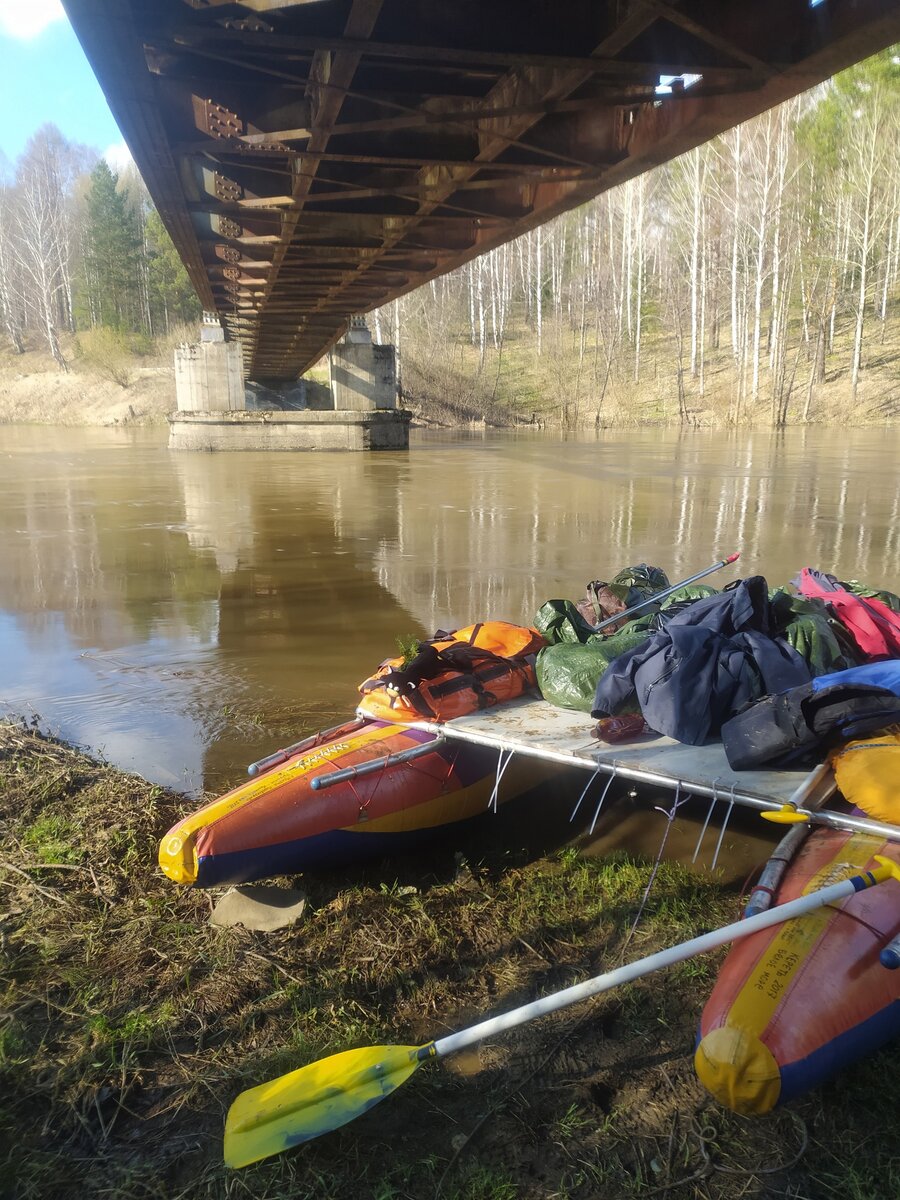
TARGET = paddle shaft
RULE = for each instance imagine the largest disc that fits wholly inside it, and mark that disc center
(636, 608)
(663, 958)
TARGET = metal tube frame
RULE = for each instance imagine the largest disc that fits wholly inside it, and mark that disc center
(826, 817)
(402, 756)
(277, 757)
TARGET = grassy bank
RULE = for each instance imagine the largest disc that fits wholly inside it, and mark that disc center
(570, 384)
(447, 381)
(128, 1024)
(111, 380)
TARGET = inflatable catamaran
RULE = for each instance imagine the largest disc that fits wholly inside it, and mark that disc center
(462, 727)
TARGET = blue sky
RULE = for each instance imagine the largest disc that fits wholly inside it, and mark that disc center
(45, 77)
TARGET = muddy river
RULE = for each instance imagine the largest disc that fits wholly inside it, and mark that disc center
(184, 614)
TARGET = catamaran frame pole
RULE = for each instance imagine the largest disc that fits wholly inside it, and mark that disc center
(725, 792)
(657, 596)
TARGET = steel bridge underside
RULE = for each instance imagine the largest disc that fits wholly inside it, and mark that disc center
(314, 159)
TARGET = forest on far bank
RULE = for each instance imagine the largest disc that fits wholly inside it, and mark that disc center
(754, 280)
(87, 268)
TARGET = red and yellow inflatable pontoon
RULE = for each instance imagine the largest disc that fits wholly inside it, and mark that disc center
(796, 1003)
(370, 786)
(279, 823)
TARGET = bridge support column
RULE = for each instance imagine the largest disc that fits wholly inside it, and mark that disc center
(217, 411)
(363, 375)
(209, 374)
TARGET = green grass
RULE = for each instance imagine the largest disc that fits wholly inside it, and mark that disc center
(128, 1023)
(53, 839)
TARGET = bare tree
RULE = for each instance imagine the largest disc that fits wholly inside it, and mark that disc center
(871, 135)
(41, 242)
(11, 301)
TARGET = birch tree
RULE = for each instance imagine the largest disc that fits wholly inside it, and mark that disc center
(11, 299)
(41, 242)
(869, 133)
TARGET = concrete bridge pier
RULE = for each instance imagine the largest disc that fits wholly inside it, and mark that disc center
(363, 375)
(218, 410)
(209, 374)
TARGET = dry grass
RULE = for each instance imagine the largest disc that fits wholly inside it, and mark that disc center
(447, 381)
(129, 1024)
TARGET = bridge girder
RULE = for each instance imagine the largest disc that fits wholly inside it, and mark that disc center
(317, 158)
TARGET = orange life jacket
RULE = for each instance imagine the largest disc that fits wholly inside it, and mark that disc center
(454, 674)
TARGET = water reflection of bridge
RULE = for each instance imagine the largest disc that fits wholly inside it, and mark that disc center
(404, 544)
(313, 160)
(455, 534)
(143, 592)
(520, 524)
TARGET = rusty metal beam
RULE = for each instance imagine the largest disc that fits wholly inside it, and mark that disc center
(280, 47)
(284, 44)
(710, 37)
(322, 158)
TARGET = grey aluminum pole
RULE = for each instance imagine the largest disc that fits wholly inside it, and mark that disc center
(635, 608)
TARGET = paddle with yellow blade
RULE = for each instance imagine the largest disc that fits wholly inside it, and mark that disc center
(327, 1094)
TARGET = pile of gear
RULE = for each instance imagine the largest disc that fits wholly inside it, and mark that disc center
(777, 673)
(782, 675)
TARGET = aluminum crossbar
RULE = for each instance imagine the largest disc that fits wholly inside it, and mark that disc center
(540, 730)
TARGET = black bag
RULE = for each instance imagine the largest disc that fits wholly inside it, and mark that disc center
(801, 723)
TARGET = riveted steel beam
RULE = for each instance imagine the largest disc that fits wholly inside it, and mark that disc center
(314, 159)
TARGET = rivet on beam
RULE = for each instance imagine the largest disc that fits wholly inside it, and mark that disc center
(216, 120)
(227, 189)
(247, 25)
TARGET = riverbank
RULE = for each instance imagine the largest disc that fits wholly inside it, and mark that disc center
(460, 388)
(34, 391)
(563, 383)
(129, 1023)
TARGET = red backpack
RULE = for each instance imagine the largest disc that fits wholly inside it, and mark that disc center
(874, 627)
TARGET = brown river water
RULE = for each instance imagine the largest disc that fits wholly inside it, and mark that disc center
(183, 614)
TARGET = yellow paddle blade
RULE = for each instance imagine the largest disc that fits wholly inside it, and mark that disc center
(326, 1094)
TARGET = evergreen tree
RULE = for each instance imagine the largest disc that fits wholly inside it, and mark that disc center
(172, 296)
(112, 254)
